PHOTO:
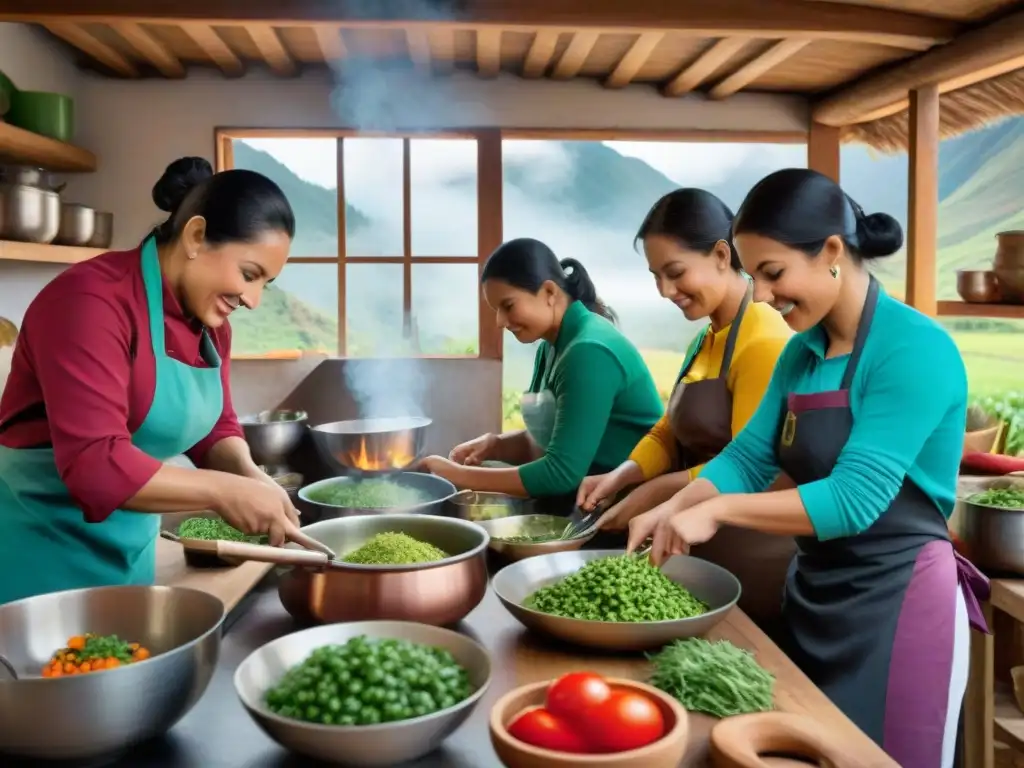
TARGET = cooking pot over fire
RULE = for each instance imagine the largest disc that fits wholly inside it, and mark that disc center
(372, 446)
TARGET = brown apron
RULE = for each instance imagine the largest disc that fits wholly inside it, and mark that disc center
(700, 413)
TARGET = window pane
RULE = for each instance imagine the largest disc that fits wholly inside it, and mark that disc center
(445, 309)
(373, 309)
(306, 171)
(443, 177)
(298, 311)
(374, 221)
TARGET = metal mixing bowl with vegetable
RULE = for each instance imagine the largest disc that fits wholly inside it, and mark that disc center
(607, 599)
(401, 492)
(524, 536)
(365, 694)
(989, 523)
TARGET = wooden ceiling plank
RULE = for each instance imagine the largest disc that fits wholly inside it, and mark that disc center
(630, 64)
(771, 19)
(488, 52)
(752, 70)
(272, 50)
(154, 51)
(441, 41)
(331, 43)
(96, 49)
(575, 55)
(977, 55)
(542, 50)
(215, 48)
(706, 65)
(419, 48)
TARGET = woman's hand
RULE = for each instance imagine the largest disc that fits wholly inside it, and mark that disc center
(596, 488)
(675, 534)
(645, 497)
(254, 508)
(438, 465)
(473, 452)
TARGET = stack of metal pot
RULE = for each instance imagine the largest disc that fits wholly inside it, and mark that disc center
(31, 211)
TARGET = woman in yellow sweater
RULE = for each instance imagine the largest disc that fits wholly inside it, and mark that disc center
(687, 242)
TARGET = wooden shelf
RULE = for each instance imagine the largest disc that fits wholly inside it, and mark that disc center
(1009, 720)
(26, 148)
(963, 309)
(45, 254)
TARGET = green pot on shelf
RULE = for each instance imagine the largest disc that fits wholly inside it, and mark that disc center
(47, 114)
(7, 91)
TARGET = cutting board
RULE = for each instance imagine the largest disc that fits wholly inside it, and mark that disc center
(231, 585)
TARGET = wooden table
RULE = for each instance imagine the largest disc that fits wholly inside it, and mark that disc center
(990, 713)
(231, 585)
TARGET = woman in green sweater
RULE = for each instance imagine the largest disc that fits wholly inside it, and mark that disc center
(591, 398)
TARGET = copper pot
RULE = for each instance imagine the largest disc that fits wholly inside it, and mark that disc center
(978, 286)
(439, 593)
(1010, 250)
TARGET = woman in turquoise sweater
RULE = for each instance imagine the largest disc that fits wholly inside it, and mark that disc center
(866, 413)
(591, 397)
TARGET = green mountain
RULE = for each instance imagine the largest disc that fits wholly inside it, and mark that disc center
(587, 201)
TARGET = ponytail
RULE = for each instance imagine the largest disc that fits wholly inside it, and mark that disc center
(580, 287)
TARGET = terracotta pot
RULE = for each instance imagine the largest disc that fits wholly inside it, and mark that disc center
(1010, 250)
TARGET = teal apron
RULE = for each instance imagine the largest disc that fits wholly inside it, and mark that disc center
(45, 543)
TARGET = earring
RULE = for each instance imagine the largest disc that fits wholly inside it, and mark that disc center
(192, 255)
(834, 270)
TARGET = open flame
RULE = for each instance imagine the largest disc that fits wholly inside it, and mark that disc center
(387, 458)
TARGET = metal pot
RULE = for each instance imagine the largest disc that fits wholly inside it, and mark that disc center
(103, 234)
(372, 445)
(991, 537)
(30, 177)
(439, 593)
(433, 490)
(1010, 250)
(28, 214)
(77, 225)
(272, 435)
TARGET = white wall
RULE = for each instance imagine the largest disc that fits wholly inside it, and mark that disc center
(137, 127)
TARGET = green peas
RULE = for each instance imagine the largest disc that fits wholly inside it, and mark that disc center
(623, 588)
(365, 682)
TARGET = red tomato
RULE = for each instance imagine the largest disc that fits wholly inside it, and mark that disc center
(539, 728)
(570, 696)
(625, 721)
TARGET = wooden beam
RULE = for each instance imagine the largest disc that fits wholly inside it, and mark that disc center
(542, 49)
(488, 52)
(441, 41)
(630, 64)
(272, 50)
(923, 200)
(95, 49)
(332, 44)
(823, 150)
(154, 51)
(489, 228)
(215, 48)
(419, 48)
(708, 18)
(752, 70)
(706, 65)
(975, 56)
(575, 55)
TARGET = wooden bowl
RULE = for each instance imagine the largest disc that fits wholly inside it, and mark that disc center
(747, 741)
(667, 752)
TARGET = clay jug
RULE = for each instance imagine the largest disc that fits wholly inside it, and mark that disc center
(1010, 250)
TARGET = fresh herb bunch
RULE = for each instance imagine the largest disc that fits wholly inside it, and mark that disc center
(716, 678)
(618, 588)
(1007, 498)
(367, 681)
(214, 529)
(394, 549)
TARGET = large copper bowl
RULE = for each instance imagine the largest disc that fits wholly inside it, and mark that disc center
(439, 593)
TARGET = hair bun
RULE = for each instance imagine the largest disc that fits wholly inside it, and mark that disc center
(180, 178)
(878, 235)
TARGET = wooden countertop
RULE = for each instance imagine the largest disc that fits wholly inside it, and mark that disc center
(229, 584)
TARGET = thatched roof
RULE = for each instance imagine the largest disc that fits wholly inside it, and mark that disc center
(960, 111)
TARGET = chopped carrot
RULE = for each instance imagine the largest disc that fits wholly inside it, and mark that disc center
(112, 662)
(47, 671)
(76, 643)
(69, 668)
(85, 667)
(141, 654)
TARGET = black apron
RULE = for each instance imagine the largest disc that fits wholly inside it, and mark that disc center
(700, 413)
(848, 602)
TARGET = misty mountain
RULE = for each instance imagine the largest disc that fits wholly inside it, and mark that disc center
(586, 201)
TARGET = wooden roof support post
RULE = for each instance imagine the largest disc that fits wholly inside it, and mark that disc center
(489, 230)
(923, 200)
(823, 150)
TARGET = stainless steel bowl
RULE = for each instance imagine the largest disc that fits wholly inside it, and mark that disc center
(531, 525)
(439, 593)
(272, 435)
(359, 746)
(103, 234)
(484, 505)
(28, 214)
(77, 225)
(718, 588)
(434, 491)
(372, 444)
(992, 537)
(102, 713)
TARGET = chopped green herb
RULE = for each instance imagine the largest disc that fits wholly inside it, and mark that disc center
(713, 677)
(367, 494)
(1008, 498)
(394, 549)
(214, 529)
(619, 588)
